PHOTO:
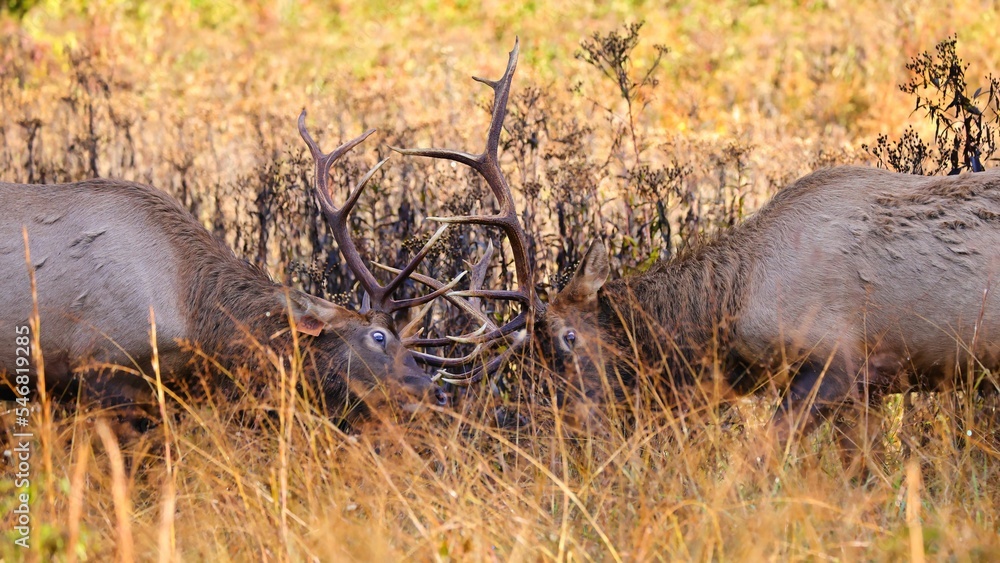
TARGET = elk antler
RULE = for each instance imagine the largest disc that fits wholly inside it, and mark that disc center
(470, 306)
(487, 164)
(378, 297)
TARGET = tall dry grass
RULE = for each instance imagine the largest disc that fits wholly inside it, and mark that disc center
(450, 484)
(199, 99)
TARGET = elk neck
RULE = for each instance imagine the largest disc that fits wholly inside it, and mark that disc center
(680, 313)
(226, 297)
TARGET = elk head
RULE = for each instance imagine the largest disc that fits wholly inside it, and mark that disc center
(363, 345)
(570, 334)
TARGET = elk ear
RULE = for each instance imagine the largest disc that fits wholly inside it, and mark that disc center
(313, 315)
(591, 275)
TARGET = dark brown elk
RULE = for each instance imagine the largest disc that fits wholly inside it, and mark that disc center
(104, 252)
(850, 283)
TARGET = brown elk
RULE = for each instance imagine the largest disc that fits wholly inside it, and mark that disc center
(860, 281)
(104, 252)
(854, 282)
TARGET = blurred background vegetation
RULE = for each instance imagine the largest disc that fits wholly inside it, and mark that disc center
(199, 98)
(648, 124)
(651, 124)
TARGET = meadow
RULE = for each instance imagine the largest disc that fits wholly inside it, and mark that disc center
(652, 126)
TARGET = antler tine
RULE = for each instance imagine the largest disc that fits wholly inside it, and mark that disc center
(516, 324)
(336, 217)
(493, 294)
(485, 333)
(478, 277)
(376, 296)
(327, 160)
(443, 362)
(342, 233)
(461, 303)
(487, 164)
(478, 336)
(476, 374)
(410, 267)
(501, 92)
(424, 299)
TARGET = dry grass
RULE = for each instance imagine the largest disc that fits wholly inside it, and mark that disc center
(200, 100)
(450, 484)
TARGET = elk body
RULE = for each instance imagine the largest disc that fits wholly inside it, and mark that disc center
(855, 281)
(104, 252)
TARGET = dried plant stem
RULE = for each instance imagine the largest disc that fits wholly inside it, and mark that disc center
(76, 489)
(167, 540)
(913, 485)
(45, 433)
(119, 492)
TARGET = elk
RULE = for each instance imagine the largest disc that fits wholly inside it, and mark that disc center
(853, 282)
(857, 281)
(106, 252)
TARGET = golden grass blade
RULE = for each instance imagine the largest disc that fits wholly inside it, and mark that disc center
(119, 491)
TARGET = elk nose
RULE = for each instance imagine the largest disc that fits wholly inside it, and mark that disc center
(421, 386)
(440, 397)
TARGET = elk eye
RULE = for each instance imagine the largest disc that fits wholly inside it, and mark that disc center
(570, 338)
(379, 337)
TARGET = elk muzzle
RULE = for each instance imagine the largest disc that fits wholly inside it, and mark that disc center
(414, 382)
